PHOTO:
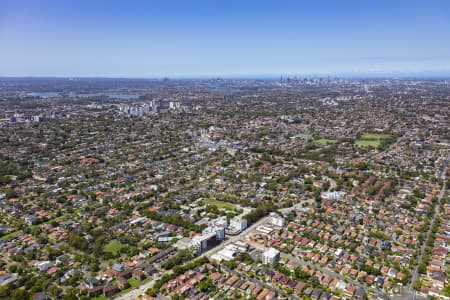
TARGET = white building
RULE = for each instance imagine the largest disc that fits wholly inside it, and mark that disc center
(238, 224)
(226, 254)
(174, 105)
(154, 104)
(218, 226)
(276, 220)
(334, 196)
(218, 230)
(229, 252)
(270, 256)
(219, 222)
(43, 265)
(211, 236)
(204, 242)
(184, 243)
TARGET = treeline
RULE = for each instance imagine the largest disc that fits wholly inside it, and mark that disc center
(325, 154)
(275, 151)
(370, 270)
(174, 219)
(384, 143)
(77, 241)
(258, 213)
(178, 259)
(8, 169)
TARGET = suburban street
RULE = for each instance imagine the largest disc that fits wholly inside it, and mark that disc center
(321, 269)
(254, 280)
(407, 294)
(409, 291)
(133, 294)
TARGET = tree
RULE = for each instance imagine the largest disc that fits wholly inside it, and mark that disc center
(300, 274)
(78, 242)
(258, 213)
(205, 285)
(245, 257)
(11, 193)
(416, 284)
(181, 257)
(12, 268)
(19, 294)
(230, 264)
(422, 268)
(4, 291)
(446, 291)
(70, 294)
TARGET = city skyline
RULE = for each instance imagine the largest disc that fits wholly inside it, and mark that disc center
(146, 39)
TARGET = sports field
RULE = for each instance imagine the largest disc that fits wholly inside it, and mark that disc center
(325, 141)
(219, 204)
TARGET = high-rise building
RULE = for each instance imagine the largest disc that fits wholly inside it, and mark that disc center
(270, 256)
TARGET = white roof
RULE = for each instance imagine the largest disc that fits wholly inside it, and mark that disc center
(271, 252)
(226, 254)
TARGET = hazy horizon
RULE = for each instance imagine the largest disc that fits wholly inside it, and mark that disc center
(203, 39)
(276, 77)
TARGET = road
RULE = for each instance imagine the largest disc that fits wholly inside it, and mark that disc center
(329, 272)
(415, 274)
(323, 270)
(232, 239)
(332, 182)
(261, 283)
(392, 146)
(133, 294)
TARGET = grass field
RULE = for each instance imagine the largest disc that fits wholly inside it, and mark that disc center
(367, 143)
(113, 247)
(219, 204)
(133, 282)
(374, 136)
(371, 139)
(325, 141)
(10, 235)
(439, 147)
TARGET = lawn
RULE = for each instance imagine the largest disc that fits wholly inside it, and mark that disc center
(439, 147)
(367, 143)
(219, 204)
(133, 282)
(325, 141)
(371, 139)
(10, 235)
(113, 247)
(374, 136)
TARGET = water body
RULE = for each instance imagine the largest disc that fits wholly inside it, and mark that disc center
(111, 96)
(225, 89)
(123, 96)
(44, 94)
(88, 95)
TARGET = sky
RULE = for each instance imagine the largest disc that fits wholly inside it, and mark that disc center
(224, 38)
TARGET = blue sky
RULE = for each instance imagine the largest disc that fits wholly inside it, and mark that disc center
(223, 38)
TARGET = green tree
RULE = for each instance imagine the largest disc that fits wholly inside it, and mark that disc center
(446, 291)
(70, 294)
(422, 268)
(416, 284)
(19, 294)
